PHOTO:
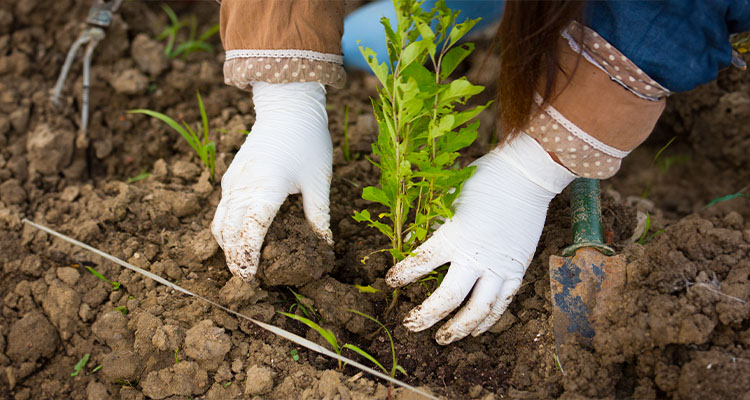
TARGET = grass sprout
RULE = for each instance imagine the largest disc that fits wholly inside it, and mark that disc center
(115, 284)
(298, 304)
(143, 175)
(80, 364)
(327, 334)
(205, 148)
(195, 43)
(394, 366)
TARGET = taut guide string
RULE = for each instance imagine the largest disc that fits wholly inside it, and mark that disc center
(271, 328)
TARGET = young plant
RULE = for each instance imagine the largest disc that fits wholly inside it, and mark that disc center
(394, 366)
(298, 304)
(420, 129)
(206, 149)
(195, 42)
(330, 337)
(326, 333)
(143, 175)
(115, 284)
(80, 364)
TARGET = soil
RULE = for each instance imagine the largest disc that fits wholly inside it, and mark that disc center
(679, 328)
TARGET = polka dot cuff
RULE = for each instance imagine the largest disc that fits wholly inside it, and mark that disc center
(607, 58)
(242, 72)
(578, 151)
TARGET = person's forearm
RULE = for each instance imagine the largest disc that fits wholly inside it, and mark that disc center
(282, 41)
(603, 107)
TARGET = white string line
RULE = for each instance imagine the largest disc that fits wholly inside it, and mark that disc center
(271, 328)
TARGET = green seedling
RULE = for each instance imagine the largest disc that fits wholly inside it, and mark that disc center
(366, 289)
(123, 309)
(437, 276)
(325, 333)
(194, 42)
(295, 354)
(420, 130)
(298, 304)
(115, 284)
(97, 368)
(227, 384)
(728, 197)
(394, 366)
(80, 365)
(206, 149)
(143, 175)
(176, 358)
(170, 32)
(645, 237)
(665, 163)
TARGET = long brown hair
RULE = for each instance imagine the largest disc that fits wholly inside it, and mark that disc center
(528, 36)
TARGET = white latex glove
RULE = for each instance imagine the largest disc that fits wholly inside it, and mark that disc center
(288, 151)
(489, 242)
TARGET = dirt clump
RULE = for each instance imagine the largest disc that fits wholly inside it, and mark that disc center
(293, 254)
(23, 347)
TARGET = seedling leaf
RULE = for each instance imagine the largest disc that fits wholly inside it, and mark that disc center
(365, 355)
(80, 365)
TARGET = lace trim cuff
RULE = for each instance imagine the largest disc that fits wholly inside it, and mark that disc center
(284, 53)
(242, 72)
(578, 151)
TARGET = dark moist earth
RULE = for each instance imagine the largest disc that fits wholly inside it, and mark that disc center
(680, 328)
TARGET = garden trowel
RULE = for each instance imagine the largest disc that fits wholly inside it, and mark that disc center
(587, 271)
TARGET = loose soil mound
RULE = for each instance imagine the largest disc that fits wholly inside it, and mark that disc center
(679, 329)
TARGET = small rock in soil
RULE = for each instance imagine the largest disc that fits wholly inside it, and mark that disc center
(19, 119)
(168, 337)
(185, 378)
(129, 81)
(96, 391)
(121, 365)
(259, 380)
(68, 275)
(328, 386)
(145, 326)
(185, 170)
(236, 292)
(202, 245)
(148, 55)
(11, 192)
(207, 344)
(112, 329)
(49, 151)
(31, 338)
(61, 306)
(219, 391)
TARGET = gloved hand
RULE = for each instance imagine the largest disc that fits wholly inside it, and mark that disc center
(489, 242)
(288, 151)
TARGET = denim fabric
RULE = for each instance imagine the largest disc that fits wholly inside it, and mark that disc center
(679, 43)
(364, 25)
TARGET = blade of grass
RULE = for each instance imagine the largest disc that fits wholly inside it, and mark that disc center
(365, 355)
(80, 364)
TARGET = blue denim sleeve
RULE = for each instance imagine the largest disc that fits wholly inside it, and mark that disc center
(679, 43)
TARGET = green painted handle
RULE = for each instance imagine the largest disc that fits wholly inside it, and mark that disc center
(586, 216)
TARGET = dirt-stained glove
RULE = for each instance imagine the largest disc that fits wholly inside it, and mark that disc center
(489, 242)
(288, 151)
